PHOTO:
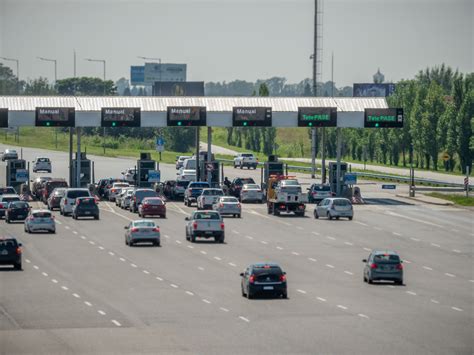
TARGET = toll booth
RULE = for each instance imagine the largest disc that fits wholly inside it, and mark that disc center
(86, 170)
(17, 173)
(272, 167)
(147, 171)
(214, 168)
(333, 176)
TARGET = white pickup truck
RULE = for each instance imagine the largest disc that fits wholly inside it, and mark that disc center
(205, 224)
(208, 197)
(248, 160)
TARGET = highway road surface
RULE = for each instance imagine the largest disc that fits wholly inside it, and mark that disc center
(83, 291)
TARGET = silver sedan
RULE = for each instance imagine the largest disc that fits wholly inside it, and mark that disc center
(334, 207)
(227, 205)
(142, 231)
(40, 220)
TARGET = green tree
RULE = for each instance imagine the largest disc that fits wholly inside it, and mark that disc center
(86, 86)
(179, 139)
(8, 82)
(464, 123)
(39, 87)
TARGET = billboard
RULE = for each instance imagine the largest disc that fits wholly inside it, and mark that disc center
(164, 72)
(252, 117)
(137, 75)
(373, 90)
(173, 88)
(55, 117)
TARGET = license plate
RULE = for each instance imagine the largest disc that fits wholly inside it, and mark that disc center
(4, 252)
(208, 233)
(87, 212)
(21, 216)
(268, 287)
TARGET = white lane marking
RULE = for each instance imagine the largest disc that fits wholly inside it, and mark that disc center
(406, 261)
(235, 232)
(348, 272)
(159, 278)
(58, 222)
(414, 239)
(263, 242)
(449, 275)
(412, 219)
(116, 323)
(287, 224)
(206, 301)
(76, 295)
(190, 293)
(315, 233)
(91, 242)
(179, 242)
(244, 319)
(427, 268)
(341, 307)
(348, 243)
(391, 286)
(361, 223)
(146, 272)
(456, 250)
(223, 309)
(35, 267)
(377, 228)
(64, 288)
(455, 230)
(203, 252)
(111, 253)
(321, 299)
(88, 303)
(435, 245)
(232, 264)
(102, 313)
(133, 265)
(302, 291)
(28, 261)
(122, 259)
(54, 281)
(201, 268)
(190, 247)
(456, 309)
(217, 258)
(330, 266)
(83, 237)
(167, 236)
(411, 293)
(397, 234)
(434, 301)
(248, 237)
(44, 274)
(366, 249)
(471, 280)
(300, 228)
(330, 238)
(295, 253)
(101, 248)
(67, 227)
(312, 259)
(279, 248)
(174, 286)
(363, 315)
(74, 232)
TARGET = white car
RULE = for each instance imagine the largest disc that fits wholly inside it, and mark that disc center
(187, 175)
(40, 220)
(251, 193)
(9, 154)
(208, 197)
(69, 199)
(180, 161)
(245, 160)
(129, 175)
(117, 189)
(42, 164)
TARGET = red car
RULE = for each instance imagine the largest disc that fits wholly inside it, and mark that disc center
(152, 206)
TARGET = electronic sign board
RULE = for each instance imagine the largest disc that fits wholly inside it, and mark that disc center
(383, 118)
(179, 116)
(3, 118)
(55, 117)
(252, 117)
(317, 117)
(120, 117)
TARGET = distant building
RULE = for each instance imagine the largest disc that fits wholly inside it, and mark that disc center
(178, 88)
(150, 73)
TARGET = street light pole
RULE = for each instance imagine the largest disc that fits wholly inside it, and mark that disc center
(17, 71)
(55, 67)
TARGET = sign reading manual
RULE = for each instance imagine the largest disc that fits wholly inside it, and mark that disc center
(121, 117)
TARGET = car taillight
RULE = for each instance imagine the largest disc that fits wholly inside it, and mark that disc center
(221, 205)
(222, 226)
(373, 266)
(283, 278)
(238, 205)
(145, 205)
(195, 225)
(1, 205)
(134, 199)
(399, 267)
(252, 279)
(282, 206)
(113, 190)
(18, 250)
(156, 229)
(134, 229)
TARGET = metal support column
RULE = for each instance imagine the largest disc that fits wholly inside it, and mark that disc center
(209, 151)
(338, 171)
(198, 177)
(78, 157)
(71, 136)
(313, 153)
(323, 155)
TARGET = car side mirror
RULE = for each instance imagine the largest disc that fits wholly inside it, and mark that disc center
(284, 272)
(364, 260)
(242, 274)
(186, 218)
(126, 227)
(20, 245)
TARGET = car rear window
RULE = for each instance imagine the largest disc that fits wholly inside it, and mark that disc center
(257, 271)
(290, 182)
(251, 186)
(59, 192)
(77, 193)
(341, 203)
(183, 183)
(19, 204)
(86, 201)
(10, 199)
(121, 185)
(208, 215)
(144, 224)
(42, 215)
(7, 190)
(50, 185)
(9, 243)
(386, 258)
(143, 194)
(247, 155)
(243, 181)
(199, 185)
(213, 192)
(229, 199)
(43, 160)
(153, 201)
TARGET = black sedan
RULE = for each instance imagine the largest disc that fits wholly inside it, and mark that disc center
(85, 207)
(17, 211)
(263, 279)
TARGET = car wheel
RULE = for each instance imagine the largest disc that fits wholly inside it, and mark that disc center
(130, 243)
(7, 220)
(284, 295)
(350, 218)
(241, 166)
(329, 216)
(249, 295)
(193, 238)
(365, 279)
(369, 280)
(27, 229)
(17, 266)
(242, 289)
(276, 212)
(126, 242)
(399, 282)
(315, 213)
(96, 217)
(157, 244)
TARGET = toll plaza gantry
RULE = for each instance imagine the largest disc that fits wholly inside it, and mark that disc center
(114, 111)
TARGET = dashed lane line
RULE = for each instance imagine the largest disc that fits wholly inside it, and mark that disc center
(412, 219)
(201, 268)
(206, 301)
(434, 301)
(397, 234)
(232, 264)
(348, 243)
(411, 293)
(65, 288)
(190, 247)
(122, 259)
(133, 265)
(248, 237)
(159, 278)
(312, 259)
(35, 267)
(321, 299)
(363, 315)
(449, 275)
(67, 227)
(217, 258)
(342, 307)
(76, 295)
(146, 272)
(435, 245)
(54, 281)
(427, 268)
(116, 323)
(415, 239)
(111, 253)
(190, 293)
(101, 247)
(174, 286)
(456, 251)
(44, 274)
(203, 252)
(457, 309)
(330, 266)
(361, 223)
(279, 248)
(315, 233)
(263, 242)
(301, 291)
(244, 319)
(88, 303)
(295, 253)
(102, 313)
(348, 272)
(223, 309)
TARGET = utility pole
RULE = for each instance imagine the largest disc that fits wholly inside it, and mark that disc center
(315, 88)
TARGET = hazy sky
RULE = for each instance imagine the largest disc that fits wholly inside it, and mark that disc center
(238, 39)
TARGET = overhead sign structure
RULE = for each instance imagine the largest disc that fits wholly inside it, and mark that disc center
(3, 118)
(317, 117)
(383, 118)
(252, 117)
(186, 116)
(55, 117)
(121, 117)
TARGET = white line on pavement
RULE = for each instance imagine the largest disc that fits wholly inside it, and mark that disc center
(302, 291)
(206, 301)
(167, 236)
(190, 247)
(279, 248)
(133, 265)
(456, 309)
(28, 261)
(366, 249)
(263, 242)
(248, 237)
(102, 313)
(434, 301)
(83, 237)
(427, 268)
(35, 267)
(235, 232)
(203, 252)
(116, 323)
(315, 233)
(54, 281)
(341, 307)
(190, 293)
(413, 219)
(76, 295)
(348, 272)
(330, 266)
(232, 264)
(122, 259)
(111, 253)
(223, 309)
(91, 242)
(101, 248)
(456, 250)
(414, 239)
(455, 230)
(300, 228)
(58, 222)
(174, 286)
(201, 268)
(44, 274)
(436, 245)
(330, 238)
(377, 228)
(321, 299)
(361, 223)
(244, 319)
(363, 315)
(179, 242)
(146, 272)
(348, 243)
(217, 258)
(67, 227)
(64, 288)
(312, 259)
(159, 278)
(411, 293)
(449, 275)
(406, 261)
(88, 303)
(295, 253)
(397, 234)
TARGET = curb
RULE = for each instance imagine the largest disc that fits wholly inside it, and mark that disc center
(447, 203)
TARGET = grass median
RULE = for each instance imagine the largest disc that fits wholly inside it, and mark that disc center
(457, 199)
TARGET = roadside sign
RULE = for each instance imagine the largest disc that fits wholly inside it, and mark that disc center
(154, 175)
(209, 167)
(160, 148)
(21, 175)
(389, 187)
(466, 182)
(160, 141)
(445, 156)
(350, 179)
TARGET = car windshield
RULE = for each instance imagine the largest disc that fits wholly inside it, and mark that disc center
(73, 194)
(53, 184)
(146, 193)
(8, 243)
(252, 187)
(244, 181)
(206, 215)
(18, 204)
(42, 215)
(144, 224)
(199, 185)
(341, 202)
(229, 199)
(129, 192)
(10, 199)
(386, 258)
(213, 192)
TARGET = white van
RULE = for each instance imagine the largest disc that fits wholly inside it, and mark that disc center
(69, 199)
(187, 175)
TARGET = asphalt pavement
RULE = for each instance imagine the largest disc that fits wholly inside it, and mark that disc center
(83, 291)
